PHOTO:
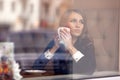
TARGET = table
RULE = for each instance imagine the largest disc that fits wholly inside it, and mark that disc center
(49, 76)
(30, 75)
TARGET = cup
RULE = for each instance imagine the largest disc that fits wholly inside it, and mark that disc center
(59, 29)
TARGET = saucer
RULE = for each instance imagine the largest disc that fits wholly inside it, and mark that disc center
(35, 71)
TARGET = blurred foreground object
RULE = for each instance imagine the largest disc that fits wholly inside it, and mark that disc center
(9, 69)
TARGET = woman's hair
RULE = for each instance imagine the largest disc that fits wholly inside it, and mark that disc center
(65, 17)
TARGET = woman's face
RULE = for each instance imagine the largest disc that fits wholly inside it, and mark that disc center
(75, 23)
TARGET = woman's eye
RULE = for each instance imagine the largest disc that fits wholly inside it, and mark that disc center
(73, 20)
(81, 21)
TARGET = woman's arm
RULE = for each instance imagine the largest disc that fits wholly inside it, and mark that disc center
(44, 58)
(87, 64)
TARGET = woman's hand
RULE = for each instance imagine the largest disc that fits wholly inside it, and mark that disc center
(66, 37)
(56, 40)
(56, 44)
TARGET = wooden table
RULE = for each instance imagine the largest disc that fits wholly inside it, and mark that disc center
(51, 76)
(39, 74)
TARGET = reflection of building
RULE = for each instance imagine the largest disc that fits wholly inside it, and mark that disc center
(26, 14)
(12, 10)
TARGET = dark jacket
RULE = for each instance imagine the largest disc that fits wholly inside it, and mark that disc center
(65, 64)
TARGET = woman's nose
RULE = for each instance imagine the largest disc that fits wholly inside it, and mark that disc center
(78, 24)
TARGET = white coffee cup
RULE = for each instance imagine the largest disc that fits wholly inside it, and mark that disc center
(59, 29)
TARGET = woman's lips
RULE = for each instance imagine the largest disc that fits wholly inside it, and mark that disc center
(76, 30)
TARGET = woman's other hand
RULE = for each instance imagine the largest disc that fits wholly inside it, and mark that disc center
(56, 44)
(56, 40)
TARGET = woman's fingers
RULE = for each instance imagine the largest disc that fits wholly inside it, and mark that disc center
(65, 38)
(57, 38)
(65, 34)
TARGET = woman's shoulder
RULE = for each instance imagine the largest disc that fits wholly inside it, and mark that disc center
(87, 41)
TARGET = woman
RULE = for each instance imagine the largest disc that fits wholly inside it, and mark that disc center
(76, 55)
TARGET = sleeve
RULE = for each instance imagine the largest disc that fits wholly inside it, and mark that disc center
(48, 54)
(42, 60)
(77, 56)
(87, 64)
